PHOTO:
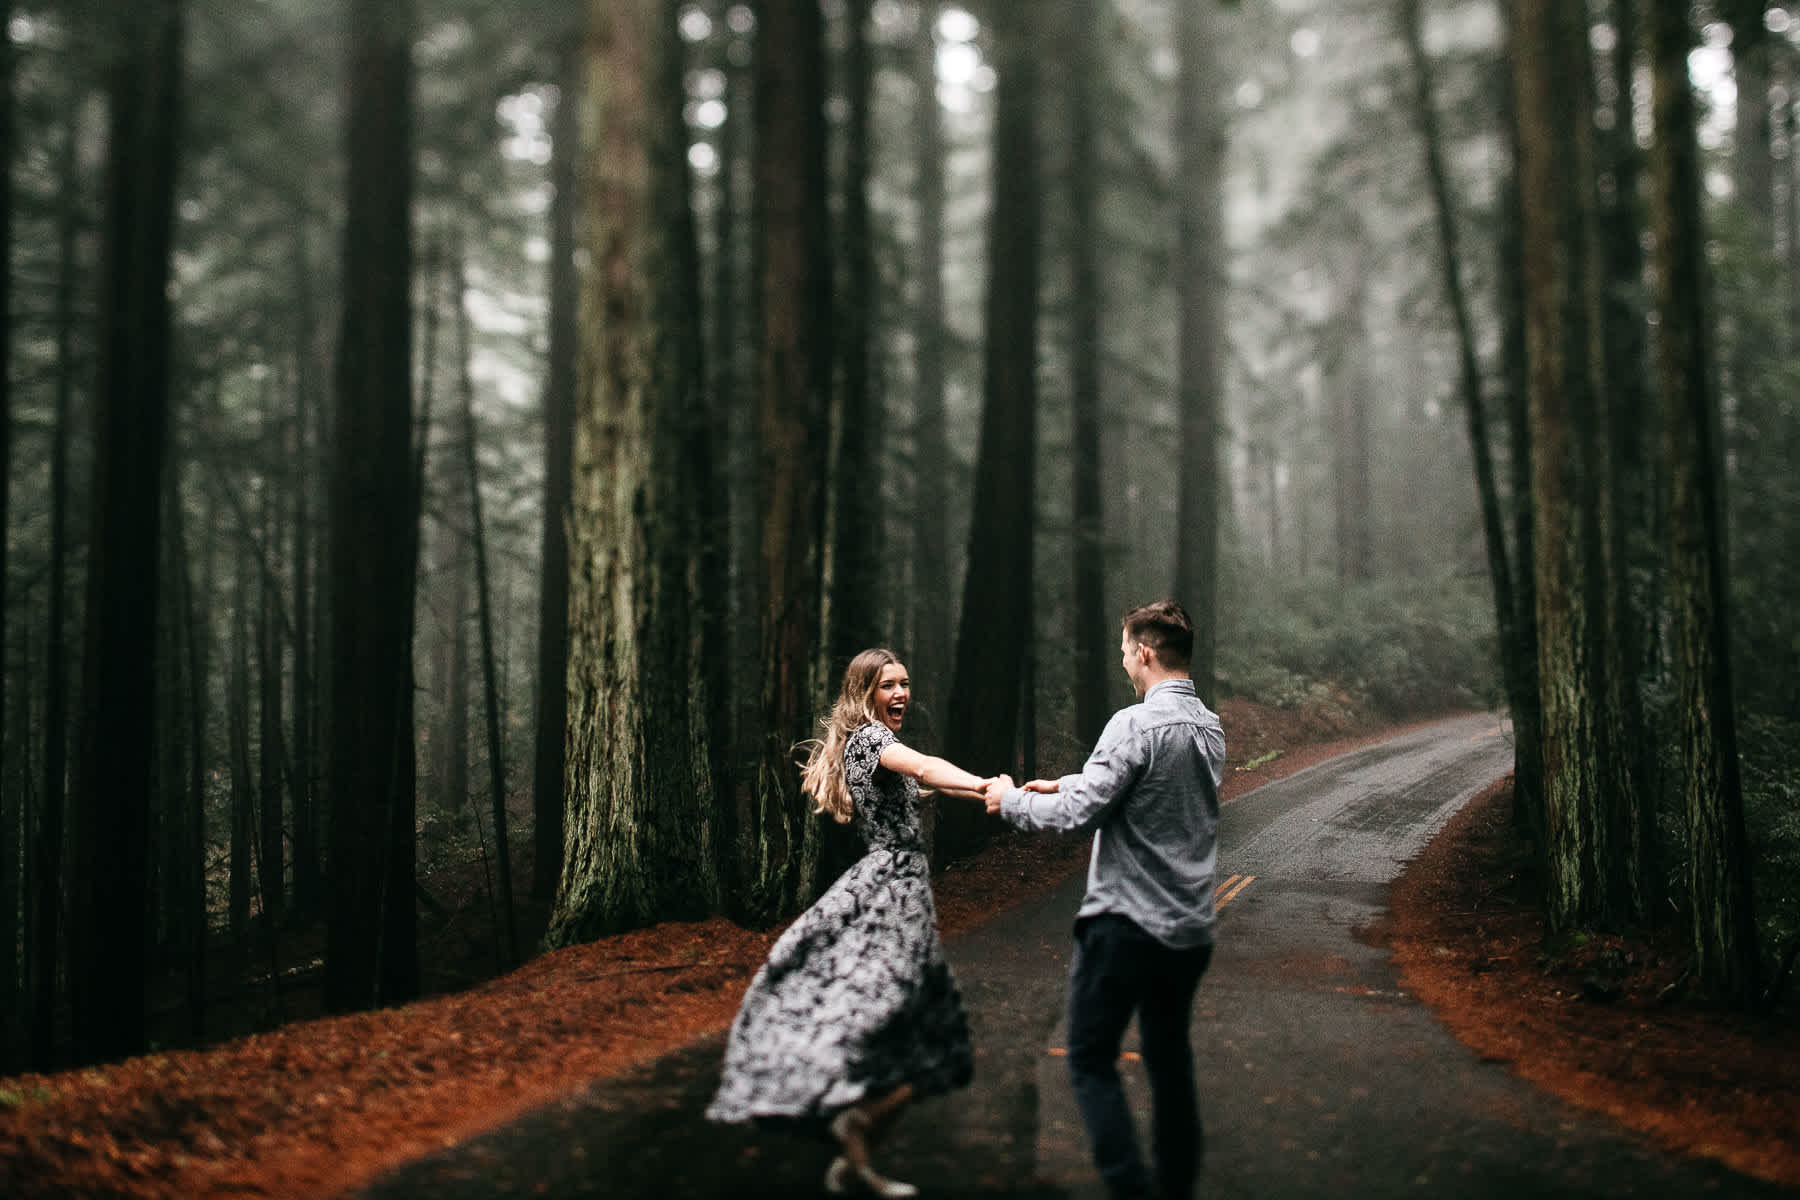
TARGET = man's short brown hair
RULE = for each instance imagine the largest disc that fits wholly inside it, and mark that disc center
(1165, 628)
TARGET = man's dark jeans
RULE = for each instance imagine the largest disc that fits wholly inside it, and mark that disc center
(1120, 970)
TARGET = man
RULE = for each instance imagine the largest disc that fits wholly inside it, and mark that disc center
(1144, 933)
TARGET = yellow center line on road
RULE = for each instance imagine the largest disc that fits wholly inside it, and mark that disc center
(1233, 886)
(1229, 889)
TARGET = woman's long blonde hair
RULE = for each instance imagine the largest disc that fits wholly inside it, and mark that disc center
(822, 775)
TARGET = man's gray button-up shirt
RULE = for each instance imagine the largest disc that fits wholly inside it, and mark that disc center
(1150, 791)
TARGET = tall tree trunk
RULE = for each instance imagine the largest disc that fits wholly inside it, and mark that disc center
(371, 955)
(308, 881)
(44, 947)
(732, 357)
(191, 942)
(731, 623)
(1348, 382)
(271, 866)
(1720, 900)
(1628, 521)
(1528, 759)
(449, 782)
(1753, 163)
(1200, 282)
(857, 619)
(15, 916)
(11, 826)
(1590, 869)
(792, 268)
(559, 437)
(934, 637)
(642, 815)
(1790, 133)
(1092, 635)
(994, 640)
(1517, 668)
(108, 951)
(240, 881)
(856, 612)
(508, 934)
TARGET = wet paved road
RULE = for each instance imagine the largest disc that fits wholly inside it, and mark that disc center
(1319, 1077)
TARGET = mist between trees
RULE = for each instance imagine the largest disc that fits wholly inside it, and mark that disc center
(451, 447)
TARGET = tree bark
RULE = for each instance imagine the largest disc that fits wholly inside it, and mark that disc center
(48, 871)
(933, 641)
(1092, 634)
(643, 820)
(792, 268)
(108, 958)
(507, 922)
(1200, 282)
(1628, 518)
(270, 854)
(1591, 869)
(308, 882)
(371, 956)
(559, 437)
(1518, 669)
(191, 943)
(1720, 901)
(994, 640)
(11, 811)
(1528, 769)
(857, 617)
(240, 882)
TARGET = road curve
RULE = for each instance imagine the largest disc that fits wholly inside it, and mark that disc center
(1319, 1076)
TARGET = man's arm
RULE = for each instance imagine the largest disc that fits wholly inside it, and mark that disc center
(1075, 801)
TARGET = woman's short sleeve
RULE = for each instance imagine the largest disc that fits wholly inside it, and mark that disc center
(862, 754)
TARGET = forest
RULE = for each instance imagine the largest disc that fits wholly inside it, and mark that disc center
(454, 447)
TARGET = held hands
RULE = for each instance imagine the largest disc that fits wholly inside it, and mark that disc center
(996, 788)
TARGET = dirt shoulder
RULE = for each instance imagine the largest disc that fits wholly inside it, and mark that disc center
(1607, 1023)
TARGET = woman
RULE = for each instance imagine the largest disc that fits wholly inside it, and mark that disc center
(856, 1013)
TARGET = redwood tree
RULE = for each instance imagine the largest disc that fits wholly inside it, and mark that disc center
(642, 821)
(1092, 636)
(791, 265)
(371, 955)
(994, 640)
(1200, 281)
(559, 438)
(1719, 894)
(108, 928)
(1592, 821)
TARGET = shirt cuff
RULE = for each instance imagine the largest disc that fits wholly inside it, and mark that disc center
(1012, 806)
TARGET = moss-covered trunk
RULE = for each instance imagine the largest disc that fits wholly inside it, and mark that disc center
(641, 819)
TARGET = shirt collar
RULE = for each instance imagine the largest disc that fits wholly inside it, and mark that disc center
(1172, 685)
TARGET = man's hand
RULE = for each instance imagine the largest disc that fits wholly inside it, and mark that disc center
(997, 787)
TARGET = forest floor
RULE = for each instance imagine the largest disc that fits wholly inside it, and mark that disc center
(316, 1107)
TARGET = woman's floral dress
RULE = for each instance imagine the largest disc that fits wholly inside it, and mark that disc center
(856, 997)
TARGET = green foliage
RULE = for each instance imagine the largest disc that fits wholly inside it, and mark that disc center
(1401, 647)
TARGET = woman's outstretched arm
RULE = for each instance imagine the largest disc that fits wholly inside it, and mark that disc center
(938, 774)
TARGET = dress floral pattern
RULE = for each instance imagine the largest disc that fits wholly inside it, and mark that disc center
(856, 997)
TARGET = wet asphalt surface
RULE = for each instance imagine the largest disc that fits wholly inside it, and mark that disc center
(1318, 1076)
